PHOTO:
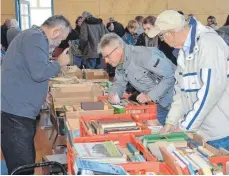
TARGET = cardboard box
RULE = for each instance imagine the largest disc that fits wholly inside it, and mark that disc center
(75, 94)
(95, 75)
(77, 112)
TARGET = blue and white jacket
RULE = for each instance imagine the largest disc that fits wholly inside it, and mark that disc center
(201, 100)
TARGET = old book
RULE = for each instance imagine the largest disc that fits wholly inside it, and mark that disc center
(121, 129)
(106, 152)
(87, 106)
(111, 123)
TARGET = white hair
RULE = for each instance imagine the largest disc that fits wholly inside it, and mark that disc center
(110, 39)
(14, 23)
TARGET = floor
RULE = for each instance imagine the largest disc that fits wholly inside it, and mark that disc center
(42, 143)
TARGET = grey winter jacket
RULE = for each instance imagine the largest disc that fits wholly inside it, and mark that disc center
(91, 32)
(149, 71)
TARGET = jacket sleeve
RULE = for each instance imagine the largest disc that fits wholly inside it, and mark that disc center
(176, 112)
(37, 59)
(83, 36)
(159, 65)
(119, 84)
(212, 67)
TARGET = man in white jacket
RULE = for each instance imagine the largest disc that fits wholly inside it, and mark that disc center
(201, 97)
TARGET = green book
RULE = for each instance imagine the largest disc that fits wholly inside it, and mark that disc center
(171, 137)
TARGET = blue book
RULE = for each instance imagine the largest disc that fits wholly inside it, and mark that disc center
(100, 168)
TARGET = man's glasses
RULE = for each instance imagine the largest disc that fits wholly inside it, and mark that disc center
(108, 55)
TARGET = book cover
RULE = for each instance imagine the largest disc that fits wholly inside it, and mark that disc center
(97, 150)
(98, 167)
(87, 106)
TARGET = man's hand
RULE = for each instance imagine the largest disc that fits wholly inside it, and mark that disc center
(114, 99)
(143, 98)
(168, 128)
(64, 59)
(48, 98)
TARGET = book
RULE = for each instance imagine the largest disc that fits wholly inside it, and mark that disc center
(121, 130)
(98, 168)
(100, 151)
(111, 123)
(88, 106)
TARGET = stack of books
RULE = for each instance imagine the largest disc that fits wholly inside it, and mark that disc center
(111, 126)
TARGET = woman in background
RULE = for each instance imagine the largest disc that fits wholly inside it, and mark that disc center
(110, 27)
(130, 36)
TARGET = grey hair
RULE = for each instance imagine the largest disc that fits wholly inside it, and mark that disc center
(86, 14)
(57, 20)
(14, 23)
(110, 39)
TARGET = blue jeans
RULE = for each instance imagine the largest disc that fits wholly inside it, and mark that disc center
(224, 143)
(161, 114)
(94, 63)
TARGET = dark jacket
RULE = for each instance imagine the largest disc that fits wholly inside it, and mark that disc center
(119, 29)
(165, 48)
(73, 35)
(4, 42)
(92, 30)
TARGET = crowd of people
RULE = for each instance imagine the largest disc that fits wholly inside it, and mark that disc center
(177, 63)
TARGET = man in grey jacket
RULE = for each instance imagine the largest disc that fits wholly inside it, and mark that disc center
(25, 74)
(147, 69)
(92, 29)
(201, 100)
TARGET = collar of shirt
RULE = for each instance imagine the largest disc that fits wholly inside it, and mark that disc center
(187, 43)
(40, 30)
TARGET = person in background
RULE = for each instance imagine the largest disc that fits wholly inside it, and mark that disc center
(13, 30)
(92, 30)
(130, 36)
(110, 27)
(211, 22)
(79, 22)
(25, 72)
(147, 69)
(73, 35)
(118, 27)
(144, 40)
(2, 54)
(4, 29)
(189, 17)
(201, 99)
(140, 19)
(110, 69)
(227, 21)
(223, 35)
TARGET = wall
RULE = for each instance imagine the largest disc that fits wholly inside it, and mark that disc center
(124, 10)
(7, 9)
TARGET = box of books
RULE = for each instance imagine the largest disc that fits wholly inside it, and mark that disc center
(71, 71)
(111, 149)
(129, 106)
(95, 75)
(148, 168)
(184, 154)
(117, 124)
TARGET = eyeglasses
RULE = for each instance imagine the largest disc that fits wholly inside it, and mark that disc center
(108, 55)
